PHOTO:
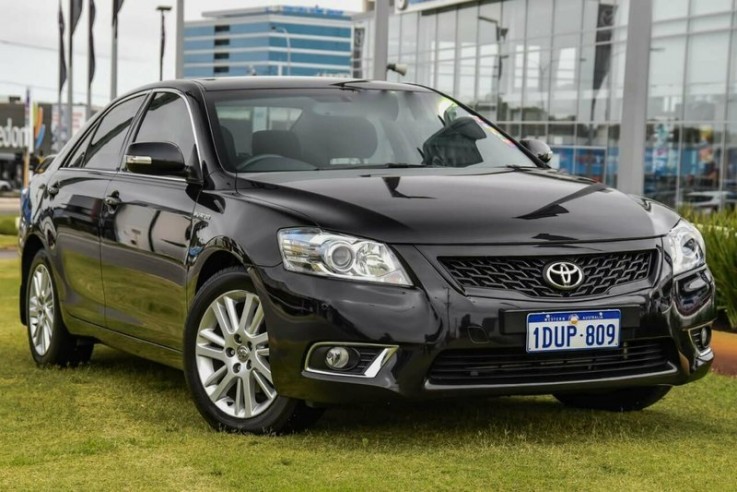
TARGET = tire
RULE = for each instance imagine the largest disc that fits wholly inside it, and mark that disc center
(227, 370)
(621, 400)
(48, 338)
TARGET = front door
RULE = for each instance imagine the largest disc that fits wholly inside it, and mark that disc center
(146, 232)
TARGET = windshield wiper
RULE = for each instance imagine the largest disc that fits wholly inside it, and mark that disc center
(401, 165)
(520, 168)
(386, 165)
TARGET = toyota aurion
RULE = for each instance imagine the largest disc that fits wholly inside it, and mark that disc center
(295, 243)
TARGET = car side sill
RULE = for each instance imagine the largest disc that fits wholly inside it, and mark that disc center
(129, 344)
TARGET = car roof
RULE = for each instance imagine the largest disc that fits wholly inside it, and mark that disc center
(271, 82)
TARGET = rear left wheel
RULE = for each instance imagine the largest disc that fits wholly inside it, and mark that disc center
(226, 359)
(48, 338)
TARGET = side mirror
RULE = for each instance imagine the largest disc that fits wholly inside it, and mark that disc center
(158, 158)
(539, 148)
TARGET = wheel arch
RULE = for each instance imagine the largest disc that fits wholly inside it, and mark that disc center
(220, 253)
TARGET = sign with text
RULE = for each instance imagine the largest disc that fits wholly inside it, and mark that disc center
(16, 136)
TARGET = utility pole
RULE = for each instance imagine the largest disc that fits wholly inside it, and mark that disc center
(70, 78)
(90, 57)
(179, 65)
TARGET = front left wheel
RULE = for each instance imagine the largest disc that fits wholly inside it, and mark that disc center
(226, 361)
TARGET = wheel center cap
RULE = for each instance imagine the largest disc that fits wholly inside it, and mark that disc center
(242, 352)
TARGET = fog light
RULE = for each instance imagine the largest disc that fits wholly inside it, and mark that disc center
(337, 358)
(705, 337)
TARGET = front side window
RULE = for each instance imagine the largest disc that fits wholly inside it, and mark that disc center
(167, 120)
(353, 128)
(104, 150)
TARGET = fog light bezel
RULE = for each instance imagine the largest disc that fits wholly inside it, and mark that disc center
(383, 356)
(701, 337)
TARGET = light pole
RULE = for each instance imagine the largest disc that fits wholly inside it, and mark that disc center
(163, 9)
(500, 35)
(289, 47)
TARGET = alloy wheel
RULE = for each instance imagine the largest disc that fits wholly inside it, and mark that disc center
(41, 309)
(232, 355)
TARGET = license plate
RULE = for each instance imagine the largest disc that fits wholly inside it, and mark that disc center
(576, 330)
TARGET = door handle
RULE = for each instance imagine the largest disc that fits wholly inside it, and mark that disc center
(112, 201)
(53, 189)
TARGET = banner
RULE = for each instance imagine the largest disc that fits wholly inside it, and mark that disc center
(414, 5)
(62, 56)
(91, 41)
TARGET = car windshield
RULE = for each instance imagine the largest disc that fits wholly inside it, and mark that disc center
(352, 128)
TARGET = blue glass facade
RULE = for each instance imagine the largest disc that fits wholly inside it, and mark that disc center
(555, 70)
(269, 41)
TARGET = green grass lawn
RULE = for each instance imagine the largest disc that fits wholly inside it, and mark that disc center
(124, 423)
(8, 242)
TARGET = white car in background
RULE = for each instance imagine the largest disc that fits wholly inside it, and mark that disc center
(5, 185)
(710, 201)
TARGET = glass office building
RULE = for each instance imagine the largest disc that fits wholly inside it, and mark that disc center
(557, 70)
(268, 41)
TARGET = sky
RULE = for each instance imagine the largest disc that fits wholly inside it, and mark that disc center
(29, 43)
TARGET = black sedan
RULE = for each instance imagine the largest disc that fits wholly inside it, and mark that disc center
(295, 243)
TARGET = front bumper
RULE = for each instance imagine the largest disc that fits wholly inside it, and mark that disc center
(437, 318)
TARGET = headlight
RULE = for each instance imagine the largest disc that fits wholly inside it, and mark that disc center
(335, 255)
(687, 250)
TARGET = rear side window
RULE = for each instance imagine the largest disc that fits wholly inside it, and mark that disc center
(167, 120)
(104, 150)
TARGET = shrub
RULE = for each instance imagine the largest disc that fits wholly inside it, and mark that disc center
(7, 226)
(720, 234)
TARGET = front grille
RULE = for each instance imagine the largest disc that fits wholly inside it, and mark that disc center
(515, 366)
(525, 274)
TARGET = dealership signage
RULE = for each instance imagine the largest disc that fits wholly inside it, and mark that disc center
(13, 137)
(412, 5)
(16, 136)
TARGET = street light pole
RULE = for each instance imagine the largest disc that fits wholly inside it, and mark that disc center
(163, 9)
(289, 47)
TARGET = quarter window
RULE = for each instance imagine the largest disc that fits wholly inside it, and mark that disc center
(77, 158)
(167, 120)
(104, 149)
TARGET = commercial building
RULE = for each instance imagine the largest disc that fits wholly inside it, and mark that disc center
(586, 76)
(268, 41)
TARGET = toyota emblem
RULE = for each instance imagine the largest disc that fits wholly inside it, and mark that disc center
(563, 275)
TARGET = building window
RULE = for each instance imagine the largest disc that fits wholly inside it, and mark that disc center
(221, 70)
(222, 56)
(223, 28)
(222, 42)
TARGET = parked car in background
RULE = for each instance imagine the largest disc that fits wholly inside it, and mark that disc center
(293, 243)
(710, 201)
(5, 185)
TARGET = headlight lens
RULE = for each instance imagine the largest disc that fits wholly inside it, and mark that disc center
(335, 255)
(687, 250)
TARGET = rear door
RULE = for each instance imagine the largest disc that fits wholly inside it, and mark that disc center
(75, 193)
(146, 236)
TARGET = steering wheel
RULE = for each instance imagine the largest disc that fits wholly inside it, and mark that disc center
(252, 161)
